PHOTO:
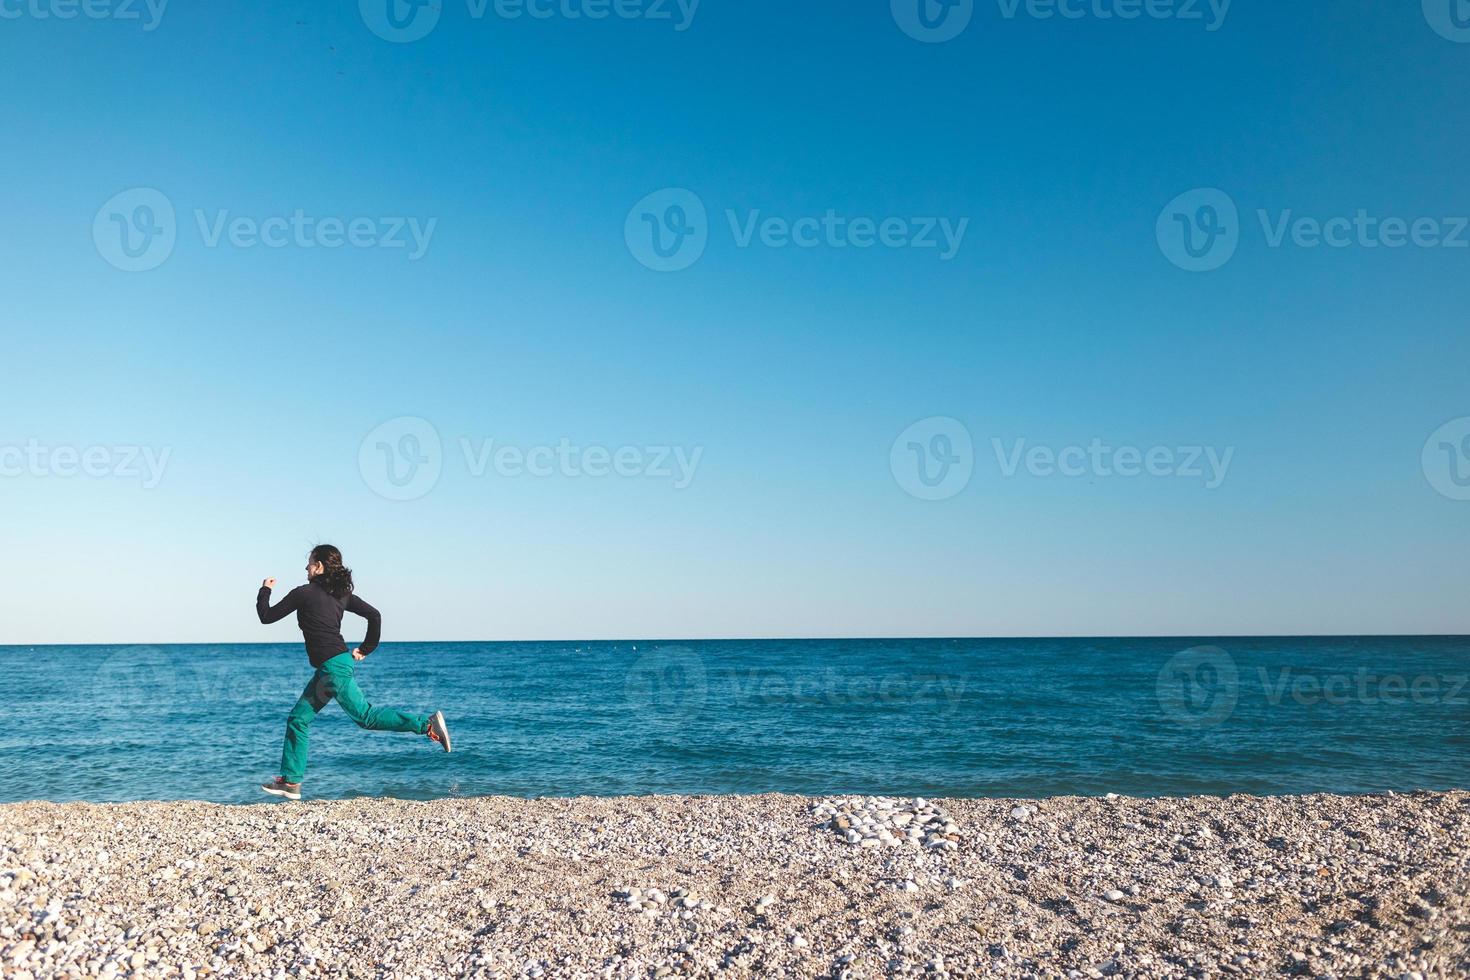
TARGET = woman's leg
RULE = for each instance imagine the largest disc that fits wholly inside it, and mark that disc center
(298, 727)
(352, 700)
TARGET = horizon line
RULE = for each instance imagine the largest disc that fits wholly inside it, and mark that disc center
(793, 639)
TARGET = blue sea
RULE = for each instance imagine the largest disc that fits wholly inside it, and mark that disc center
(941, 717)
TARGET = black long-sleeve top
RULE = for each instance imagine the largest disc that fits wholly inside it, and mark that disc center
(319, 614)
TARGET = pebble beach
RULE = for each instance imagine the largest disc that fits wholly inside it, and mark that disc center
(1317, 886)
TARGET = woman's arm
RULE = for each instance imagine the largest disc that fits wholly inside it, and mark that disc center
(273, 614)
(374, 620)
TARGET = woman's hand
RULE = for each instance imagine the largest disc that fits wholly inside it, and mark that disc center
(357, 654)
(269, 583)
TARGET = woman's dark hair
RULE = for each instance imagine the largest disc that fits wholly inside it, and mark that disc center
(336, 577)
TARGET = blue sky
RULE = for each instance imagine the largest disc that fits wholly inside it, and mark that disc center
(522, 147)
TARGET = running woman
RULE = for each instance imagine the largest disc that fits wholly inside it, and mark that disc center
(319, 605)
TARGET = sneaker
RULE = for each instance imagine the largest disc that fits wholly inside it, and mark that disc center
(279, 787)
(438, 731)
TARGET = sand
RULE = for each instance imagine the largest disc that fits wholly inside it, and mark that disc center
(754, 885)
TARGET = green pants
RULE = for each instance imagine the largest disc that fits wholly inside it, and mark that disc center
(334, 680)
